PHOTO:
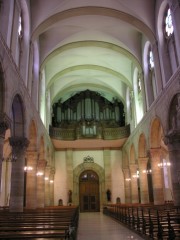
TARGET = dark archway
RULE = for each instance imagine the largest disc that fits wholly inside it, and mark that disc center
(18, 117)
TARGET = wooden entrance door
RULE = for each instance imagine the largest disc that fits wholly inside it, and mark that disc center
(89, 191)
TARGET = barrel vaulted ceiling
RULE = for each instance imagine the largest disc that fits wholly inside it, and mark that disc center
(90, 44)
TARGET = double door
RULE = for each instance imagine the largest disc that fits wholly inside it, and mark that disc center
(89, 193)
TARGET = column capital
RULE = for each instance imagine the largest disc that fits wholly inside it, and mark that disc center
(5, 123)
(19, 143)
(155, 152)
(172, 137)
(41, 164)
(143, 160)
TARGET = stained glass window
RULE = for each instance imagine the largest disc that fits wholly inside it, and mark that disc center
(168, 23)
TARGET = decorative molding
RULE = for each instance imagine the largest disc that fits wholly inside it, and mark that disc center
(5, 123)
(19, 143)
(113, 133)
(88, 159)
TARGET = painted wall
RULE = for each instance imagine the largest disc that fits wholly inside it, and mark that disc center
(117, 176)
(60, 180)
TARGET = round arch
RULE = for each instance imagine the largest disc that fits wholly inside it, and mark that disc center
(156, 133)
(132, 153)
(17, 116)
(76, 174)
(142, 151)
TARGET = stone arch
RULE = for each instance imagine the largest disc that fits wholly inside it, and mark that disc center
(142, 151)
(156, 133)
(132, 155)
(17, 117)
(174, 114)
(32, 136)
(77, 172)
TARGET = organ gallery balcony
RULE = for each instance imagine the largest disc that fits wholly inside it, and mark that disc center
(89, 132)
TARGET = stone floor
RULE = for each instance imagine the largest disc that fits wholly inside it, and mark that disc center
(96, 226)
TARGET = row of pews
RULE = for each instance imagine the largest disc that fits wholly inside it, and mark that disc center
(149, 221)
(59, 222)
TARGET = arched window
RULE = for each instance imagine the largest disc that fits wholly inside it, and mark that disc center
(169, 29)
(20, 28)
(169, 39)
(152, 78)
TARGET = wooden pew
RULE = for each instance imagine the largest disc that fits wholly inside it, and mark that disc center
(155, 222)
(52, 222)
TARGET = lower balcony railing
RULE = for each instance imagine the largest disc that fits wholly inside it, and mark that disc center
(89, 133)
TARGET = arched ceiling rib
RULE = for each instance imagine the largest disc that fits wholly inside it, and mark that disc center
(92, 46)
(95, 11)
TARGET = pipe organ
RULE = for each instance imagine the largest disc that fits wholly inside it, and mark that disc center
(87, 112)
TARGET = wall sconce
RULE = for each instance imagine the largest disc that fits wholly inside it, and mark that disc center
(28, 168)
(39, 173)
(164, 164)
(136, 175)
(46, 178)
(148, 171)
(51, 181)
(128, 179)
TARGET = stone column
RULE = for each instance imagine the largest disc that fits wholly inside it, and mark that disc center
(107, 172)
(19, 145)
(127, 185)
(4, 125)
(31, 180)
(47, 186)
(157, 176)
(69, 167)
(173, 142)
(143, 180)
(134, 184)
(158, 75)
(41, 183)
(51, 187)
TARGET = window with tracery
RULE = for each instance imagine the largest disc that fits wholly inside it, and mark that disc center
(151, 60)
(169, 29)
(152, 80)
(170, 40)
(20, 28)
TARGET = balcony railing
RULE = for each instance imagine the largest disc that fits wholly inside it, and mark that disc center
(99, 133)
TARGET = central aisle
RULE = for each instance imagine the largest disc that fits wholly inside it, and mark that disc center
(96, 226)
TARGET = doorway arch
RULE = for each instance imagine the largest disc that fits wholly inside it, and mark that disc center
(89, 191)
(76, 175)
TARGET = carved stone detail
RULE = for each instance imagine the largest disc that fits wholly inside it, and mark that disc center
(18, 143)
(4, 123)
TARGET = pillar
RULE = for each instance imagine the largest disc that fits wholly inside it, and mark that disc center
(158, 75)
(4, 124)
(47, 185)
(173, 142)
(69, 167)
(41, 183)
(143, 180)
(51, 186)
(107, 172)
(157, 176)
(19, 145)
(127, 185)
(134, 184)
(31, 180)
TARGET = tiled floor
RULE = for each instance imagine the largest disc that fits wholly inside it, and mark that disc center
(96, 226)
